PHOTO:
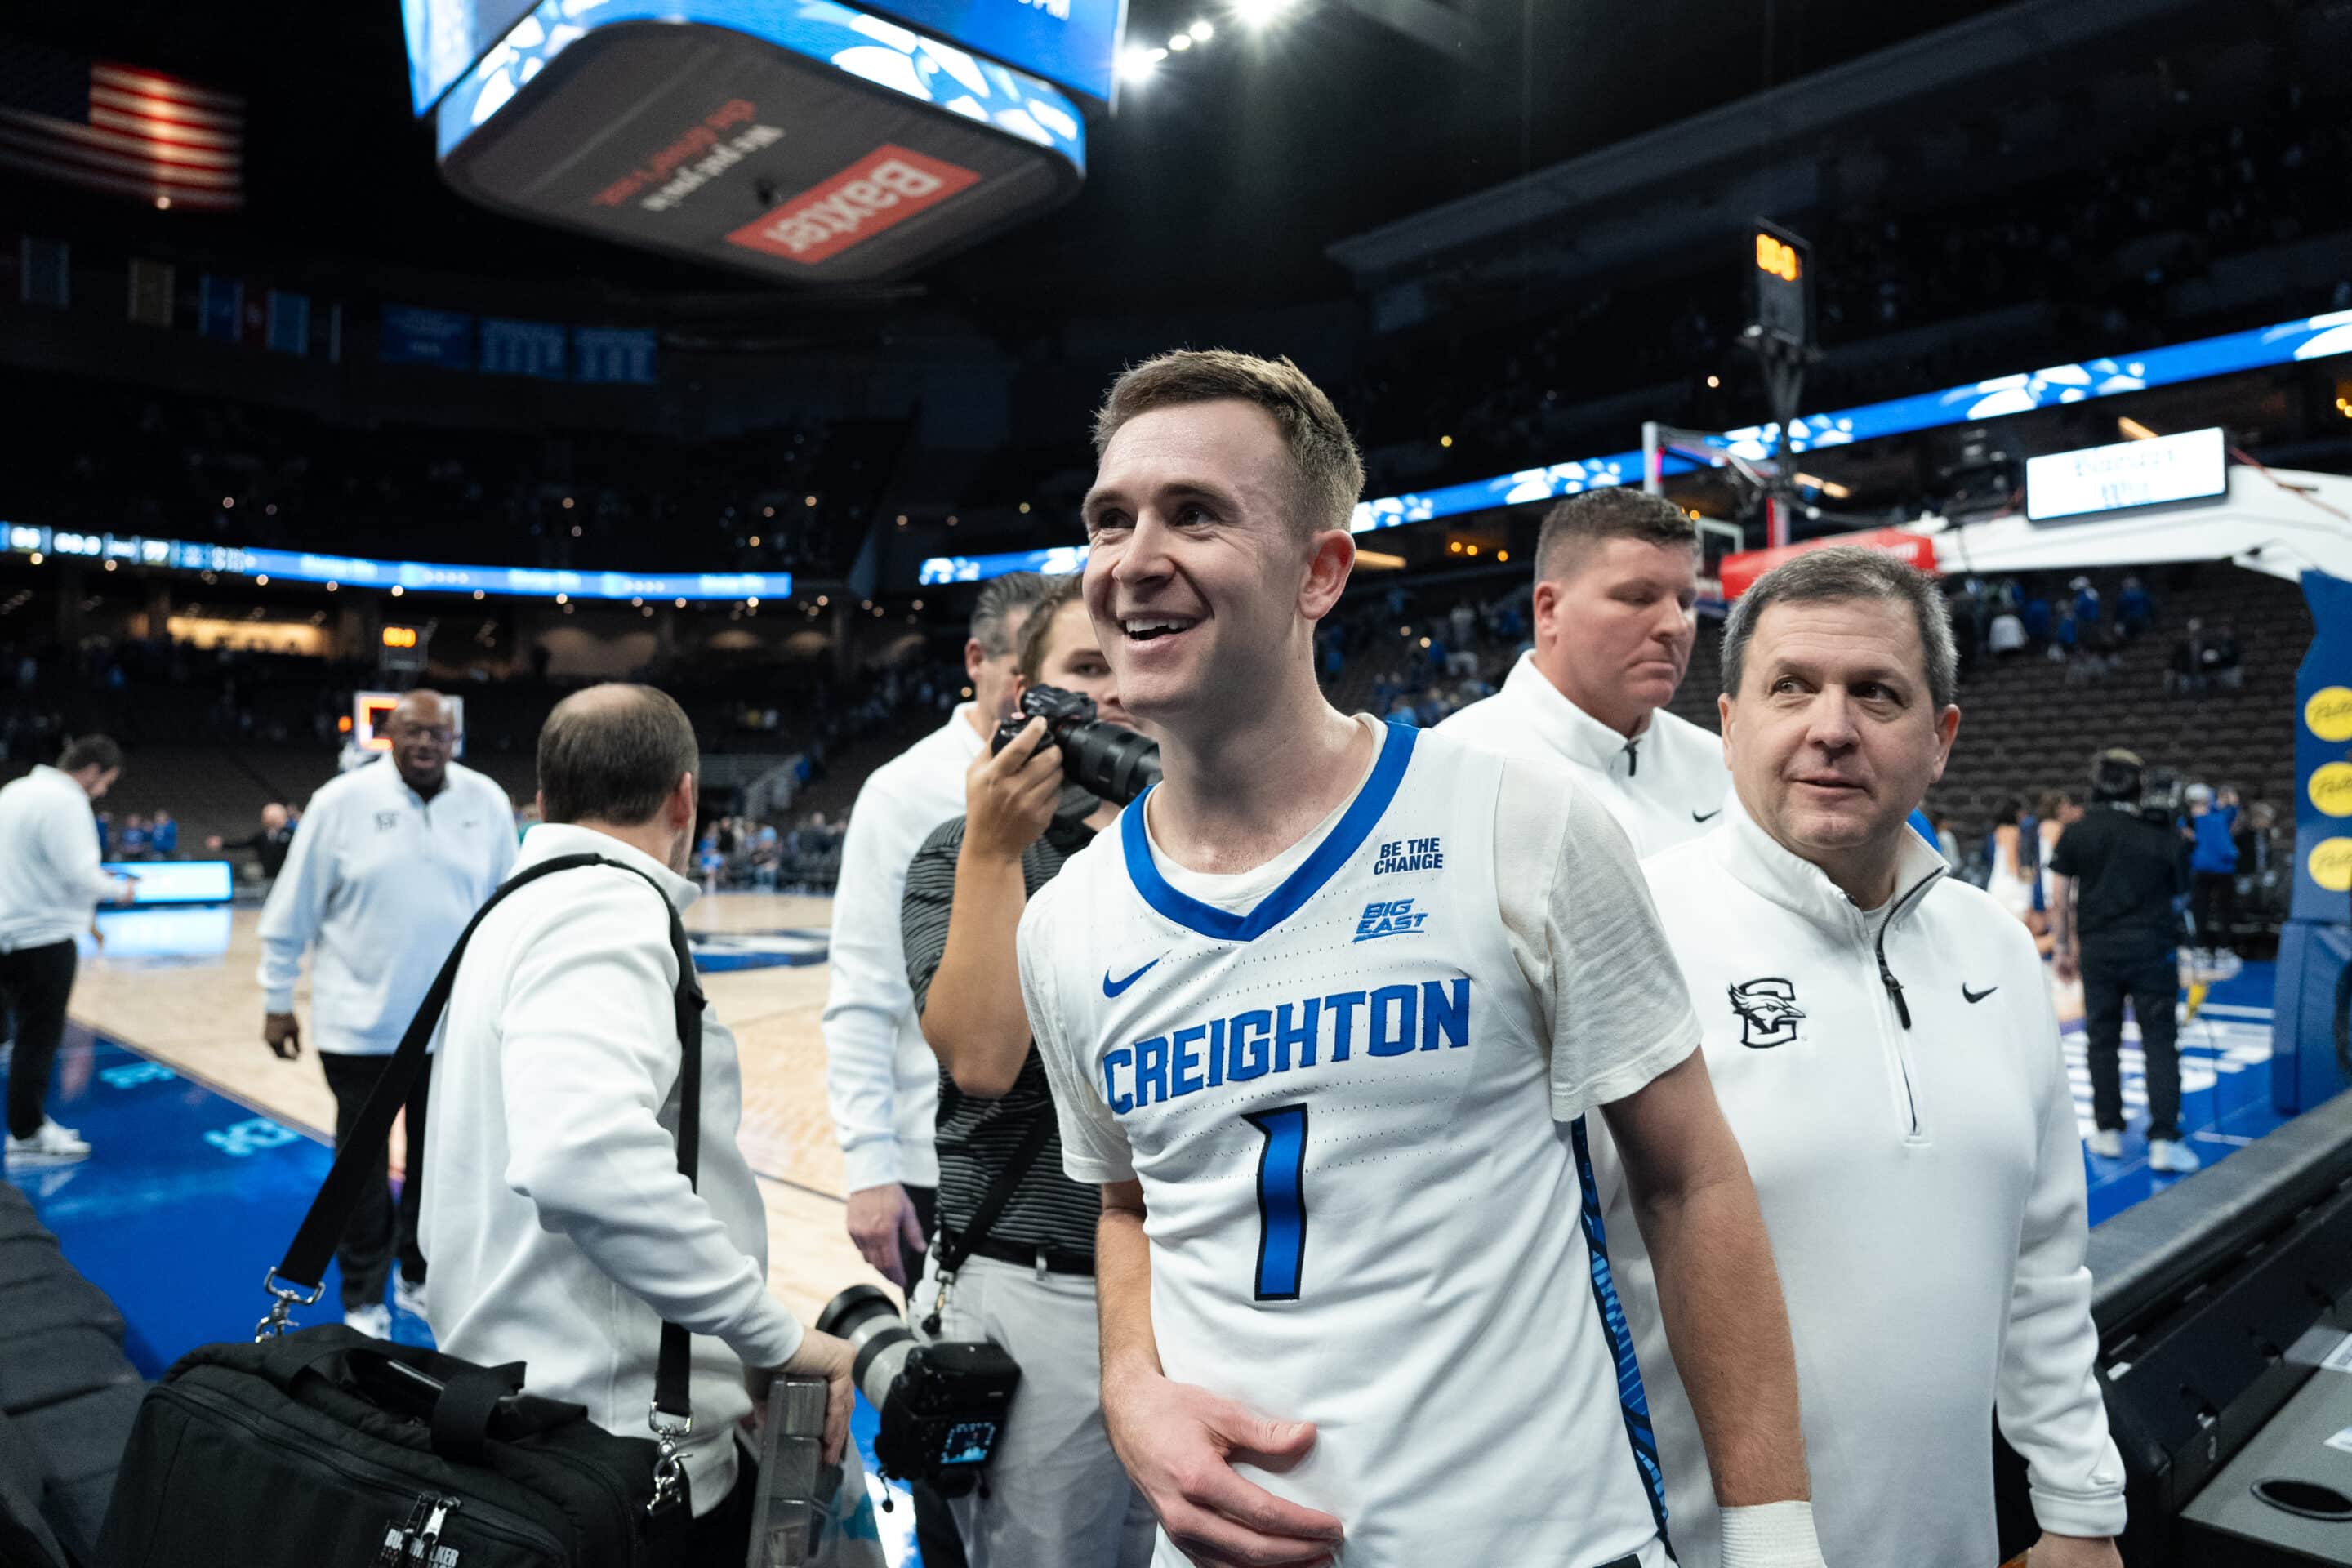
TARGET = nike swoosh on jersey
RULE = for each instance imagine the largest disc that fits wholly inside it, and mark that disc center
(1707, 816)
(1113, 987)
(1971, 996)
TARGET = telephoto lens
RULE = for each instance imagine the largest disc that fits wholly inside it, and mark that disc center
(943, 1404)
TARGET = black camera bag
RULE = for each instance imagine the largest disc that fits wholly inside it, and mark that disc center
(324, 1449)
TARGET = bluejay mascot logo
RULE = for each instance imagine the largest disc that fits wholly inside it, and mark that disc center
(1767, 1012)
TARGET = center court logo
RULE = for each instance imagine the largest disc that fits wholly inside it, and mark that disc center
(1767, 1012)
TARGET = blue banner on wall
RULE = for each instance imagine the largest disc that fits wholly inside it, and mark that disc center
(523, 347)
(613, 355)
(414, 335)
(289, 322)
(220, 307)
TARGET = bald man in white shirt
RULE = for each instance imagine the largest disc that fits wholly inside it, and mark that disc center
(1616, 577)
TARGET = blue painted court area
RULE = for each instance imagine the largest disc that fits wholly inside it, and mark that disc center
(192, 1196)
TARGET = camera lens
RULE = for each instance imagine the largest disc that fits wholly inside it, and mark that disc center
(878, 1338)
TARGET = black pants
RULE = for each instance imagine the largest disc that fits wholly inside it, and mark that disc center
(35, 982)
(2213, 904)
(722, 1536)
(2152, 981)
(369, 1242)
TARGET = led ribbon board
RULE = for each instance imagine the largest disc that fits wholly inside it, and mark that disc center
(801, 140)
(412, 576)
(2305, 338)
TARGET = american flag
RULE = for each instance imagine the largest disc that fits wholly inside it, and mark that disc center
(123, 129)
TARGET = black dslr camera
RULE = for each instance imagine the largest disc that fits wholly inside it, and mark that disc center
(1109, 762)
(943, 1404)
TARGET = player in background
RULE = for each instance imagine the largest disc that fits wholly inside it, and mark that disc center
(1324, 1015)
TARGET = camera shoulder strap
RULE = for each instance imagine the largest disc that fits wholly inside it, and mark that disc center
(956, 1246)
(306, 1258)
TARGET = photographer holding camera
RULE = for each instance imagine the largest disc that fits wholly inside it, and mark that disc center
(2115, 880)
(1055, 1495)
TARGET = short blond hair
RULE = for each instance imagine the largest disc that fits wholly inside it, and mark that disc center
(1037, 631)
(1329, 471)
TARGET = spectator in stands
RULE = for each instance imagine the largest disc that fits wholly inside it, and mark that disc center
(2087, 605)
(1616, 574)
(2181, 674)
(134, 837)
(2213, 865)
(2062, 640)
(564, 1234)
(163, 836)
(709, 860)
(387, 865)
(2220, 661)
(1463, 620)
(50, 881)
(2035, 617)
(1056, 1497)
(2007, 635)
(2133, 609)
(269, 843)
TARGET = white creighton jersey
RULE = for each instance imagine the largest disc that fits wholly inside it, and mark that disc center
(1666, 784)
(1350, 1083)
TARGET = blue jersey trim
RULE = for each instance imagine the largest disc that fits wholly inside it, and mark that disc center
(1633, 1400)
(1345, 839)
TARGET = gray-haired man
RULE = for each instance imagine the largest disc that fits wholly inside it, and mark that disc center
(880, 1077)
(1882, 1042)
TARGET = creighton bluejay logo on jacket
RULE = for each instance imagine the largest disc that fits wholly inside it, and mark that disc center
(1767, 1012)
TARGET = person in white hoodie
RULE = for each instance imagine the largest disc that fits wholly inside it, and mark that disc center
(50, 881)
(1883, 1043)
(1616, 577)
(390, 862)
(563, 1232)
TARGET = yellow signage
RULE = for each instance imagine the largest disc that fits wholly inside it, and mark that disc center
(2331, 865)
(1777, 258)
(400, 637)
(2331, 788)
(2328, 714)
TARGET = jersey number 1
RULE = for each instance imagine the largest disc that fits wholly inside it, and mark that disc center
(1281, 1200)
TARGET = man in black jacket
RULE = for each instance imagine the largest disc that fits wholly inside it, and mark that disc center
(2115, 880)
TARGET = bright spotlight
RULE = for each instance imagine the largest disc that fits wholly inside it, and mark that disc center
(1202, 31)
(1181, 42)
(1258, 13)
(1136, 65)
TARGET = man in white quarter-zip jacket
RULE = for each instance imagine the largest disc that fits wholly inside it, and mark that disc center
(1616, 575)
(390, 862)
(1882, 1040)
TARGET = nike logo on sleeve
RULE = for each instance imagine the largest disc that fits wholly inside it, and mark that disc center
(1113, 987)
(1971, 996)
(1707, 816)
